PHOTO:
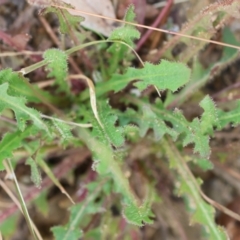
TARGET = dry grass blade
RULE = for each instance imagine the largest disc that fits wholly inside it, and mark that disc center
(21, 205)
(50, 174)
(151, 28)
(92, 95)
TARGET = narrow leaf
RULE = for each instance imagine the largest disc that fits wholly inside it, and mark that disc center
(50, 174)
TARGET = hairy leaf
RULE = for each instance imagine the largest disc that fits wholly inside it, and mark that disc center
(166, 75)
(22, 113)
(64, 130)
(11, 142)
(35, 173)
(58, 67)
(17, 86)
(232, 116)
(209, 117)
(110, 134)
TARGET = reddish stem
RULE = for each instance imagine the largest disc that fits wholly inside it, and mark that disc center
(156, 23)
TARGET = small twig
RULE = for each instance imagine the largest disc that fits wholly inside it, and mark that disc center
(163, 4)
(156, 23)
(152, 28)
(10, 54)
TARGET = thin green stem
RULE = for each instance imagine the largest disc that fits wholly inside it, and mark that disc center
(42, 63)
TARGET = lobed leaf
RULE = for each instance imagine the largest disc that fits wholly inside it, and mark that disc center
(109, 134)
(22, 113)
(166, 75)
(64, 130)
(209, 117)
(17, 86)
(11, 142)
(232, 116)
(106, 164)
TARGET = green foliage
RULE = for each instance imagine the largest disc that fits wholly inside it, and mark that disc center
(110, 134)
(8, 227)
(189, 187)
(232, 116)
(127, 33)
(78, 215)
(22, 113)
(35, 174)
(41, 203)
(113, 131)
(11, 142)
(17, 85)
(64, 130)
(165, 75)
(57, 66)
(66, 20)
(200, 75)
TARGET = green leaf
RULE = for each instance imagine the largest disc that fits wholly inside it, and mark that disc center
(50, 174)
(232, 116)
(66, 20)
(11, 142)
(204, 164)
(127, 32)
(201, 141)
(60, 233)
(189, 188)
(58, 67)
(148, 120)
(17, 85)
(209, 117)
(110, 134)
(22, 113)
(166, 75)
(64, 130)
(139, 215)
(41, 203)
(35, 173)
(78, 216)
(105, 163)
